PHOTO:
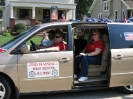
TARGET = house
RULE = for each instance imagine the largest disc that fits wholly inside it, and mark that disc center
(101, 8)
(28, 11)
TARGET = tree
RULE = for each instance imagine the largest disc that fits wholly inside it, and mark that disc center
(82, 8)
(2, 2)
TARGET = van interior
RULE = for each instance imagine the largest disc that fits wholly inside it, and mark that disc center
(98, 74)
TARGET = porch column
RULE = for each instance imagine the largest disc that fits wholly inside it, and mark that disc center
(33, 12)
(73, 14)
(11, 11)
(33, 20)
(12, 21)
(15, 13)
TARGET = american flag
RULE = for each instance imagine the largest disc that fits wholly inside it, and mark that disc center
(128, 36)
(124, 16)
(1, 50)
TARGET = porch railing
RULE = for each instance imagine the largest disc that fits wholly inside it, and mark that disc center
(26, 22)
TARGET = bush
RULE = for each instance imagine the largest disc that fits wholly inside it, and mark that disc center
(6, 34)
(14, 33)
(7, 30)
(20, 27)
(19, 31)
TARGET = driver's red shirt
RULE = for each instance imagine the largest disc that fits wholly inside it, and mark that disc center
(60, 45)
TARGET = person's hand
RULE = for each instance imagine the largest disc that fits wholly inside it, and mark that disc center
(44, 34)
(38, 50)
(41, 50)
(78, 56)
(83, 54)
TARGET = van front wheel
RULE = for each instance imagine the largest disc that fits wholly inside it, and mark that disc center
(127, 89)
(5, 88)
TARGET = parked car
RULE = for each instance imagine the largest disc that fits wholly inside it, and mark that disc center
(131, 19)
(25, 71)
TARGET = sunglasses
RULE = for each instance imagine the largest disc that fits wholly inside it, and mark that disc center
(57, 36)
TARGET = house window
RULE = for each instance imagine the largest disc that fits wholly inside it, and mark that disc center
(105, 6)
(100, 16)
(116, 14)
(24, 13)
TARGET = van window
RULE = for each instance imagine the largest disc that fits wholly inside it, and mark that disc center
(121, 36)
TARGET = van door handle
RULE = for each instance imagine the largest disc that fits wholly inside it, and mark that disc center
(119, 56)
(64, 59)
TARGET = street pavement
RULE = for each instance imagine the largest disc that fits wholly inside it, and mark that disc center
(95, 94)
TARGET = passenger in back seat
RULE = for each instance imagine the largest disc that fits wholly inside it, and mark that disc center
(92, 54)
(80, 43)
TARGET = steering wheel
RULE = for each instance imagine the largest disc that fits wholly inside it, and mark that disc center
(33, 46)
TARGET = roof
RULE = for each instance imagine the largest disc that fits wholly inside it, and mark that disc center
(92, 6)
(94, 3)
(129, 4)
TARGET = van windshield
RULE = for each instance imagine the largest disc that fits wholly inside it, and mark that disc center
(16, 39)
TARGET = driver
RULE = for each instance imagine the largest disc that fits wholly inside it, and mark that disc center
(58, 45)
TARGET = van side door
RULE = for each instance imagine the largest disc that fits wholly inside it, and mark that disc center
(121, 44)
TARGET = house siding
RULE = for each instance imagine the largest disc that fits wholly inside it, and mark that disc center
(99, 9)
(124, 8)
(113, 5)
(117, 5)
(69, 14)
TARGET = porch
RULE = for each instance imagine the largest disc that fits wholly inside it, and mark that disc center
(29, 15)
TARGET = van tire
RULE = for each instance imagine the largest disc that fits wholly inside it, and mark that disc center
(5, 85)
(126, 89)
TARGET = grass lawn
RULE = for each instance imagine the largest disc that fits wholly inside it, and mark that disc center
(4, 39)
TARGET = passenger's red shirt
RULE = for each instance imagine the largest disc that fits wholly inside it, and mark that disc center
(91, 46)
(60, 45)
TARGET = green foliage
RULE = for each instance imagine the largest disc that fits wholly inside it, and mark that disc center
(14, 33)
(2, 2)
(19, 31)
(6, 34)
(82, 8)
(4, 39)
(8, 30)
(20, 28)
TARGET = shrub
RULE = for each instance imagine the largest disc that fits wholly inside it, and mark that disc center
(19, 31)
(14, 33)
(7, 30)
(20, 27)
(6, 34)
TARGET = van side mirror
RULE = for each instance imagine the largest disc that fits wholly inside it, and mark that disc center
(25, 49)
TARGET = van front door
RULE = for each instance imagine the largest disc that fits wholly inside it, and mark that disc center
(121, 43)
(46, 71)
